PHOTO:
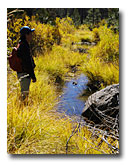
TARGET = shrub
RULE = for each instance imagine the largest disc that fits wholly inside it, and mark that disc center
(65, 25)
(65, 28)
(108, 47)
(96, 36)
(43, 37)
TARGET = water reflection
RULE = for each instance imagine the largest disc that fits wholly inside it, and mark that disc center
(69, 101)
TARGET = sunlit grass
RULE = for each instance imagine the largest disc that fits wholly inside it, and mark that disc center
(97, 70)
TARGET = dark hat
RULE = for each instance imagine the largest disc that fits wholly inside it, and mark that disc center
(25, 30)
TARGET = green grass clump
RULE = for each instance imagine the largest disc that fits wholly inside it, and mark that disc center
(58, 61)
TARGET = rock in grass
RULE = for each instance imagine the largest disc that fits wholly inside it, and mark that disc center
(74, 82)
(103, 106)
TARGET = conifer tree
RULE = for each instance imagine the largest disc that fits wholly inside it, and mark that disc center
(76, 17)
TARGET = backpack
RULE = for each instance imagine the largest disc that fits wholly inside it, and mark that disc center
(15, 61)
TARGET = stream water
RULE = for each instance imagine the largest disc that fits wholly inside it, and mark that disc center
(69, 100)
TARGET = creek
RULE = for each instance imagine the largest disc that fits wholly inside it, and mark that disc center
(69, 100)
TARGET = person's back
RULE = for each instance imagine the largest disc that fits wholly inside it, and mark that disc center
(28, 64)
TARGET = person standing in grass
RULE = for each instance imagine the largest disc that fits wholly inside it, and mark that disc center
(27, 62)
